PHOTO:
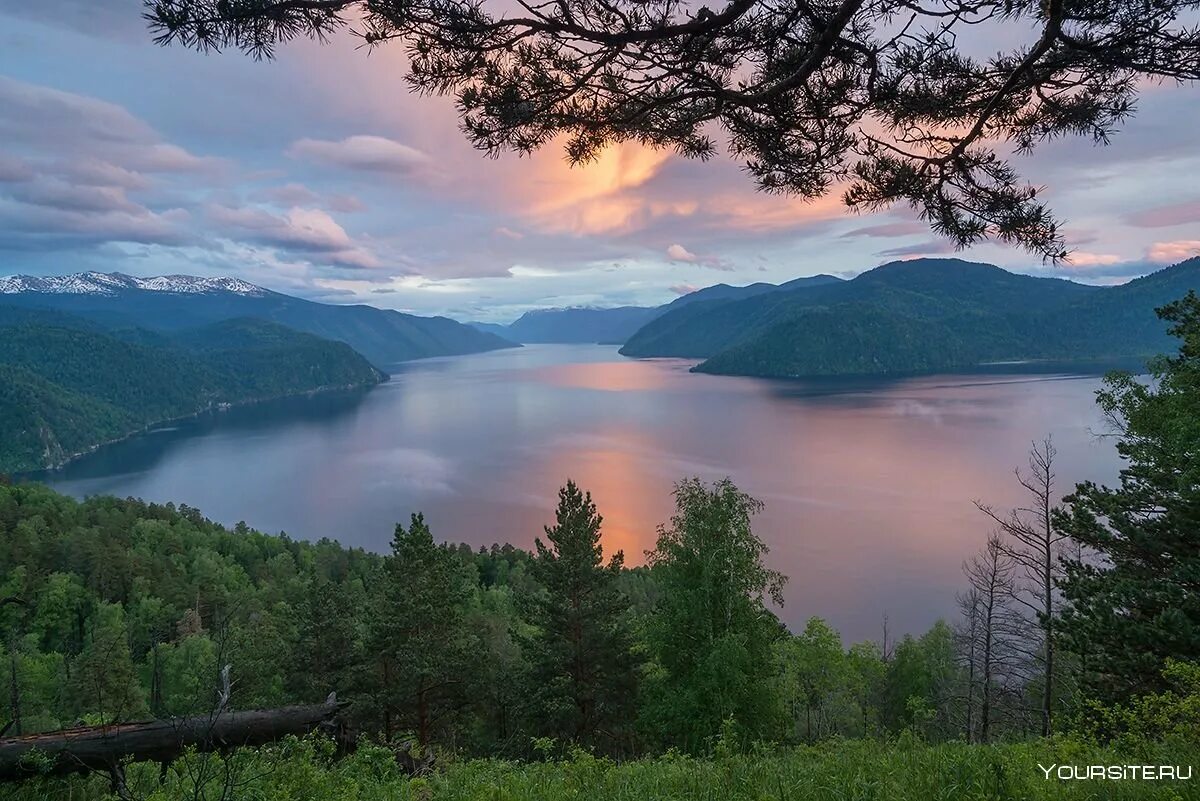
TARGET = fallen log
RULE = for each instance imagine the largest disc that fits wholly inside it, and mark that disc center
(105, 748)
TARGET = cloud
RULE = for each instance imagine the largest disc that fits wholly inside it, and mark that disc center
(887, 230)
(680, 253)
(58, 194)
(509, 233)
(76, 128)
(37, 227)
(113, 18)
(1172, 252)
(683, 289)
(1080, 258)
(345, 204)
(289, 195)
(1166, 216)
(310, 232)
(929, 248)
(368, 153)
(1111, 267)
(14, 170)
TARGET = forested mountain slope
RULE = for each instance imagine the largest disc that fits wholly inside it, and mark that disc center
(919, 316)
(69, 385)
(618, 324)
(177, 302)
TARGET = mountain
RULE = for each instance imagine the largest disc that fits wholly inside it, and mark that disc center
(617, 325)
(68, 385)
(917, 316)
(496, 329)
(726, 292)
(580, 325)
(175, 302)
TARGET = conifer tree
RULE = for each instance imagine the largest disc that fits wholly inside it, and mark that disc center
(1139, 604)
(582, 664)
(420, 639)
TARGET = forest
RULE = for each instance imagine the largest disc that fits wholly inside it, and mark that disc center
(69, 384)
(561, 672)
(919, 316)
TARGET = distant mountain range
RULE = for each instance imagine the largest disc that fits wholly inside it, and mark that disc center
(917, 316)
(90, 358)
(579, 325)
(175, 302)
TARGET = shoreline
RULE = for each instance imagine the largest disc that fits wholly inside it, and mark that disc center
(212, 407)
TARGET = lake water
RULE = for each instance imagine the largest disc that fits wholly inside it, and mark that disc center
(868, 485)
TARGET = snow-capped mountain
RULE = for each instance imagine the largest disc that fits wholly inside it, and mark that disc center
(93, 283)
(177, 302)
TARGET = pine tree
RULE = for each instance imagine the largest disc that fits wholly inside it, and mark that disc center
(104, 682)
(328, 642)
(420, 639)
(1139, 604)
(582, 664)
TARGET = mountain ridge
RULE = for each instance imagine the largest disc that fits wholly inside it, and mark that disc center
(383, 336)
(67, 388)
(916, 316)
(615, 324)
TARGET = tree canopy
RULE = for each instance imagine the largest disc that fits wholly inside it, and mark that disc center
(1137, 605)
(885, 100)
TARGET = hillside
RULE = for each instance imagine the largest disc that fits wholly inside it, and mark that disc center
(581, 325)
(178, 302)
(616, 325)
(69, 386)
(917, 316)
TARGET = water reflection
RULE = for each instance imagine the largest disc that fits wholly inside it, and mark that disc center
(868, 484)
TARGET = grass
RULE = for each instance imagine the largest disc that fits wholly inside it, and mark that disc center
(836, 771)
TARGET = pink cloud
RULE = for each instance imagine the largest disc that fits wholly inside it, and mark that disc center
(369, 153)
(307, 231)
(680, 253)
(1171, 252)
(1081, 258)
(683, 289)
(888, 229)
(1166, 216)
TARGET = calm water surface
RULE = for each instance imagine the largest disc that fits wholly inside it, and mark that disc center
(868, 485)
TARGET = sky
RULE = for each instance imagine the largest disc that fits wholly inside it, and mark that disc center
(319, 174)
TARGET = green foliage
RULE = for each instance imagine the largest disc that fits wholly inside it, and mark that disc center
(67, 387)
(419, 635)
(919, 689)
(1138, 605)
(864, 770)
(103, 680)
(1171, 715)
(712, 634)
(582, 666)
(826, 690)
(918, 316)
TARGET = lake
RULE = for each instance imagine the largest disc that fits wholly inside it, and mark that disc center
(868, 484)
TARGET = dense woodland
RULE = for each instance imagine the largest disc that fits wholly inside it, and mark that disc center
(918, 316)
(1079, 621)
(69, 384)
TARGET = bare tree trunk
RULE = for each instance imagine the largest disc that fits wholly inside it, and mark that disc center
(14, 689)
(991, 574)
(970, 606)
(101, 748)
(1031, 541)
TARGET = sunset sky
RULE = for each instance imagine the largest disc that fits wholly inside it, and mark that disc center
(319, 175)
